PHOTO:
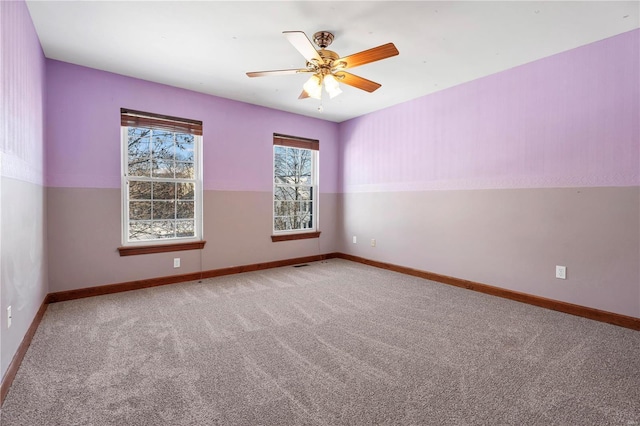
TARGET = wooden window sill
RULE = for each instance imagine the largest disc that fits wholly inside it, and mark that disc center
(289, 237)
(160, 248)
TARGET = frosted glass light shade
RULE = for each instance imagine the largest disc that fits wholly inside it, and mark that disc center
(332, 86)
(313, 87)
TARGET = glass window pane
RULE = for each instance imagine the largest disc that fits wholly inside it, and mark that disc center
(306, 206)
(138, 151)
(303, 193)
(138, 133)
(185, 140)
(164, 209)
(138, 140)
(139, 190)
(283, 223)
(163, 228)
(184, 170)
(305, 221)
(278, 208)
(292, 165)
(164, 191)
(279, 193)
(184, 155)
(304, 162)
(163, 169)
(284, 208)
(163, 145)
(140, 210)
(186, 191)
(301, 222)
(185, 228)
(284, 193)
(140, 230)
(184, 147)
(185, 210)
(279, 165)
(140, 167)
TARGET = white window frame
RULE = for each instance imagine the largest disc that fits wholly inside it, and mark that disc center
(315, 200)
(198, 195)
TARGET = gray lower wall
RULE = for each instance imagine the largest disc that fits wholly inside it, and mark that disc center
(84, 234)
(23, 285)
(510, 238)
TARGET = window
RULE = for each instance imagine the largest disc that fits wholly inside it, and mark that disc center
(295, 188)
(162, 178)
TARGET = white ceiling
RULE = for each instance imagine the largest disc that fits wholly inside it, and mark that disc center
(207, 46)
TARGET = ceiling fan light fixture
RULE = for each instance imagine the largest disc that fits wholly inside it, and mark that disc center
(313, 87)
(332, 86)
(327, 67)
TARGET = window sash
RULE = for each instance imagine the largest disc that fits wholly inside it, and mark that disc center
(312, 187)
(177, 223)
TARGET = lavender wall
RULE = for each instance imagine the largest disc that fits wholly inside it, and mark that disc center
(500, 179)
(563, 121)
(83, 178)
(83, 126)
(23, 284)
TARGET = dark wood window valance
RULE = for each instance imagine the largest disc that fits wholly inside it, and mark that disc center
(296, 142)
(129, 117)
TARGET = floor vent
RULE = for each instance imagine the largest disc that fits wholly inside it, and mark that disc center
(300, 266)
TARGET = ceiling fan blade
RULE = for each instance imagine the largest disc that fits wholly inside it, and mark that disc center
(366, 56)
(301, 42)
(303, 95)
(357, 82)
(276, 72)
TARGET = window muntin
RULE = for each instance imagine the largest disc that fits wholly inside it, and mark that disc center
(295, 189)
(161, 184)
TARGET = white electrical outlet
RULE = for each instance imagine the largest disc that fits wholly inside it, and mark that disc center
(354, 239)
(373, 242)
(561, 272)
(176, 262)
(9, 317)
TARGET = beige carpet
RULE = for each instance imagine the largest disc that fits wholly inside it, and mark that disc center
(331, 343)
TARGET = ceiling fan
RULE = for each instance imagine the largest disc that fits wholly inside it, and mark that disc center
(327, 67)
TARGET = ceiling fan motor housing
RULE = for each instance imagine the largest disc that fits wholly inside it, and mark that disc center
(330, 65)
(323, 38)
